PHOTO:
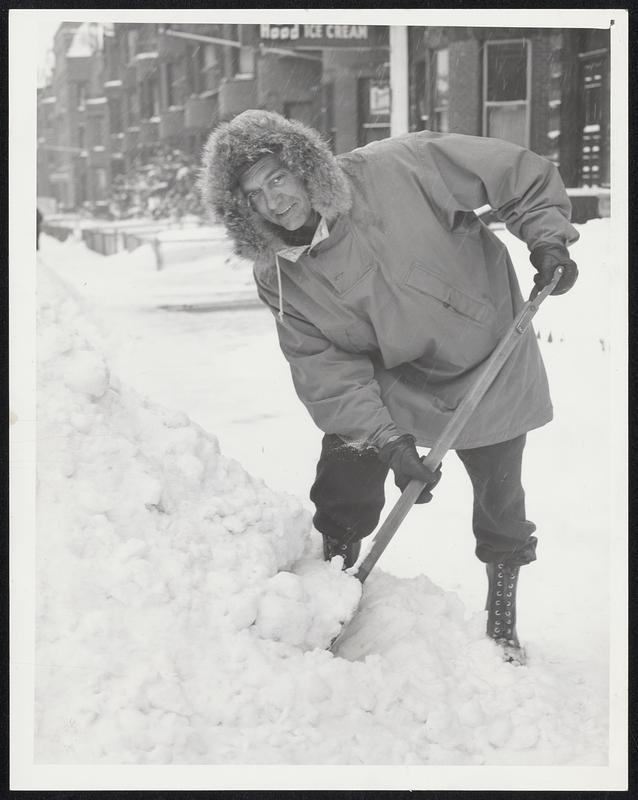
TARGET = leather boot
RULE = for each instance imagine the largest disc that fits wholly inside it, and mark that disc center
(501, 609)
(349, 551)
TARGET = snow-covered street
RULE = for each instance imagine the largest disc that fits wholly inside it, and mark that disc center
(182, 605)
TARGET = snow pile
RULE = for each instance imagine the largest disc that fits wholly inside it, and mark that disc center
(152, 548)
(183, 610)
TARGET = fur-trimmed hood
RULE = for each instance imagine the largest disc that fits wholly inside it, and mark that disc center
(234, 145)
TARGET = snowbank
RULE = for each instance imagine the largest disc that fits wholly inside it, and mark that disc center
(183, 610)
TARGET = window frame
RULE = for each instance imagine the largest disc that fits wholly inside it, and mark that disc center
(502, 103)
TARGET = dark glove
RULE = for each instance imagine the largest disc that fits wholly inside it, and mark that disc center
(402, 457)
(546, 257)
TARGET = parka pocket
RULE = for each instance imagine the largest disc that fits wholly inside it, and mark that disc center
(346, 280)
(450, 297)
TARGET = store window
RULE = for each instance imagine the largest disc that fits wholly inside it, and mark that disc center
(374, 110)
(441, 90)
(506, 90)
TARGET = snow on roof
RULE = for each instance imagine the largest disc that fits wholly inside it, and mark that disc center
(95, 101)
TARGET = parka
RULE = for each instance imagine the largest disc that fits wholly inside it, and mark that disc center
(386, 320)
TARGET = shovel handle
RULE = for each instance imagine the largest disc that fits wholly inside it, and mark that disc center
(491, 368)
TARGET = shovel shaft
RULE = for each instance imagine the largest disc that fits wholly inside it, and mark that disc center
(459, 419)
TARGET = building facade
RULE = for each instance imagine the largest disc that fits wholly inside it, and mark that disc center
(546, 89)
(132, 96)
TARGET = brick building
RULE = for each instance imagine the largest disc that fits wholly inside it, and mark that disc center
(547, 89)
(124, 95)
(56, 116)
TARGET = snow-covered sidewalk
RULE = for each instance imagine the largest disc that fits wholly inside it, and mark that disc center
(189, 624)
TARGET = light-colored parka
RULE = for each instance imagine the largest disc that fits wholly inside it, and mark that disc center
(386, 321)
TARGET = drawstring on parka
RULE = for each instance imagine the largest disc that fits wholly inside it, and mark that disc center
(280, 313)
(294, 254)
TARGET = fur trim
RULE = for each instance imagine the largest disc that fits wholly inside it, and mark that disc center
(245, 139)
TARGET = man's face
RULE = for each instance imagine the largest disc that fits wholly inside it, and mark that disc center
(276, 194)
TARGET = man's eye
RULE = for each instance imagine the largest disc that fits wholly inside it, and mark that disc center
(278, 178)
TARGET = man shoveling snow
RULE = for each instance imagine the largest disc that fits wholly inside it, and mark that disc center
(390, 294)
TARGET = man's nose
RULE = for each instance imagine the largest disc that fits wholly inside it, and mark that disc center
(273, 197)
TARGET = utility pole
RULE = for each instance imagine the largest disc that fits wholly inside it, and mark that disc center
(399, 80)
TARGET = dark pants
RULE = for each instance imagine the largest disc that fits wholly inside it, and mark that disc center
(348, 496)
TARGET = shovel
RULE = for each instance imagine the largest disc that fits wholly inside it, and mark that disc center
(490, 370)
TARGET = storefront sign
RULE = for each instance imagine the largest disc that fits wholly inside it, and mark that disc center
(318, 36)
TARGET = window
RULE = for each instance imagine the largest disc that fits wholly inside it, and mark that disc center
(247, 61)
(131, 44)
(171, 94)
(115, 115)
(146, 38)
(191, 70)
(100, 184)
(554, 101)
(149, 98)
(207, 62)
(594, 161)
(82, 91)
(421, 97)
(327, 114)
(302, 111)
(131, 107)
(234, 60)
(441, 90)
(506, 90)
(374, 110)
(207, 56)
(97, 132)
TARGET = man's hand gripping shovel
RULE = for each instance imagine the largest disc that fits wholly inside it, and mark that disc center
(488, 373)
